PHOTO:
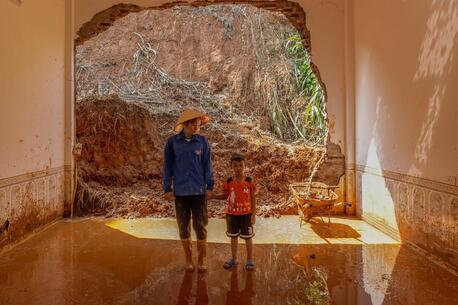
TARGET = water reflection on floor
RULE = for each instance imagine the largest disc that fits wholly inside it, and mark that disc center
(89, 262)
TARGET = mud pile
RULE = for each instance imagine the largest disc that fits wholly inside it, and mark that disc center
(231, 58)
(133, 80)
(121, 167)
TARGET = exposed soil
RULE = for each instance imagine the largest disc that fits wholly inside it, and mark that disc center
(135, 78)
(121, 166)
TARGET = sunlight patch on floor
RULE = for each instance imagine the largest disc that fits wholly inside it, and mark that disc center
(284, 230)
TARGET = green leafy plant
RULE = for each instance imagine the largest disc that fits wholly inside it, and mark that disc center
(311, 123)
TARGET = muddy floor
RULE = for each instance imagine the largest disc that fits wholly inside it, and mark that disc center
(88, 262)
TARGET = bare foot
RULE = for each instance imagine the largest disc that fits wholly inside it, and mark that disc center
(189, 268)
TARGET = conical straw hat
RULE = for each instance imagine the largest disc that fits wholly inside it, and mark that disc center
(190, 114)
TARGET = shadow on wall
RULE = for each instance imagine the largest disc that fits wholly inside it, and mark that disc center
(422, 212)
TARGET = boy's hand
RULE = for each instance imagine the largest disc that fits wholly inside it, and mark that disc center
(218, 196)
(253, 219)
(208, 195)
(169, 196)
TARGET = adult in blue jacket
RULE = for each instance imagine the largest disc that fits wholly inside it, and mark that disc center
(188, 178)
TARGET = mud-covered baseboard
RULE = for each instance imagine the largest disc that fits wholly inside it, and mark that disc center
(32, 200)
(422, 212)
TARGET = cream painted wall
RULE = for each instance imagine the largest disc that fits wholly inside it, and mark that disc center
(31, 86)
(325, 20)
(69, 81)
(33, 179)
(406, 71)
(406, 110)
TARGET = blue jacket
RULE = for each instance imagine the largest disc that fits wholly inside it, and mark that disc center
(187, 165)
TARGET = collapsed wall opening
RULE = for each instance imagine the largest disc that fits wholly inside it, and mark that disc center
(247, 67)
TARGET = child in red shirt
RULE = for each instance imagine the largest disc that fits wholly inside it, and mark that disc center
(239, 193)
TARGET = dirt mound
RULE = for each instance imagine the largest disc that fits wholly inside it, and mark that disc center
(133, 80)
(121, 167)
(223, 56)
(121, 143)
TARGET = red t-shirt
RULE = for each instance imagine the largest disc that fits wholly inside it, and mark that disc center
(238, 194)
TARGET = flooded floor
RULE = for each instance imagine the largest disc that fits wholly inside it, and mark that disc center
(99, 261)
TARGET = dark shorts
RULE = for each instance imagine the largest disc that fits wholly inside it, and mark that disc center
(239, 225)
(195, 207)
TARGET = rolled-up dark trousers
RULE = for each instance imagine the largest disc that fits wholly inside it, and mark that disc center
(191, 206)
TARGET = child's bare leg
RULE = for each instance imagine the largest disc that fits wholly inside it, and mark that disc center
(233, 261)
(249, 249)
(234, 242)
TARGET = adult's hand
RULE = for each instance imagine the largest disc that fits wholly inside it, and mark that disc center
(169, 196)
(208, 195)
(253, 218)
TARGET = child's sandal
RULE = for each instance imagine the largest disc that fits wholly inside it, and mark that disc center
(230, 264)
(249, 265)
